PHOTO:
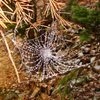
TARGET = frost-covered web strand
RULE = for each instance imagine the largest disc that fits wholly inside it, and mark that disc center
(41, 56)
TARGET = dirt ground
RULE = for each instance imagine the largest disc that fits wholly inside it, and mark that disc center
(33, 90)
(7, 76)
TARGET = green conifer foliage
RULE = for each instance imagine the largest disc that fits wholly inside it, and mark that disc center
(88, 18)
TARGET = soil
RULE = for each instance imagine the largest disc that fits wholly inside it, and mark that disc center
(7, 74)
(30, 89)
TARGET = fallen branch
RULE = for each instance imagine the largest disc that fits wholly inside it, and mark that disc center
(10, 56)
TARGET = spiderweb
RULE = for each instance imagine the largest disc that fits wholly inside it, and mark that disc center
(44, 57)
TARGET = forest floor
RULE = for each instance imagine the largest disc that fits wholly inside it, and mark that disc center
(87, 87)
(10, 89)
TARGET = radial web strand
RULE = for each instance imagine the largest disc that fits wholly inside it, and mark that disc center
(43, 57)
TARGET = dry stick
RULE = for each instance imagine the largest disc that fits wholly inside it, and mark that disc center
(8, 36)
(10, 56)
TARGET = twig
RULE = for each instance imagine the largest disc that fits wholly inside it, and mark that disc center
(10, 56)
(8, 36)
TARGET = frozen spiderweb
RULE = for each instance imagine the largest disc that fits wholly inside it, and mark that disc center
(43, 57)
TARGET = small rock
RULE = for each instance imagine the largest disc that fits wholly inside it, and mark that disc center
(80, 54)
(43, 85)
(77, 61)
(97, 67)
(35, 92)
(80, 64)
(88, 45)
(92, 52)
(92, 59)
(86, 50)
(82, 48)
(45, 96)
(85, 60)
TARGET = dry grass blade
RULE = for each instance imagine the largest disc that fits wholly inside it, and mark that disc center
(10, 56)
(3, 16)
(3, 19)
(2, 24)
